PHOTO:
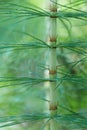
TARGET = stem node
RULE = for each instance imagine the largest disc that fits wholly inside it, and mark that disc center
(53, 107)
(52, 72)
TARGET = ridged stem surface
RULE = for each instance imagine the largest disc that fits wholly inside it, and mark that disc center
(53, 104)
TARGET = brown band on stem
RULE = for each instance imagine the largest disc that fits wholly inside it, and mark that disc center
(53, 108)
(52, 72)
(52, 39)
(53, 9)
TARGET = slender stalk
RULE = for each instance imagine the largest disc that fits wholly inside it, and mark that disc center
(52, 64)
(52, 73)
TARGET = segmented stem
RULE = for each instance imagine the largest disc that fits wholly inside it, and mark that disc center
(53, 105)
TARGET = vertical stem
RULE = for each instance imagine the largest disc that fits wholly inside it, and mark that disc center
(52, 94)
(52, 64)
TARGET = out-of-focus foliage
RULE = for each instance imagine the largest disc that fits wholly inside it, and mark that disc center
(24, 27)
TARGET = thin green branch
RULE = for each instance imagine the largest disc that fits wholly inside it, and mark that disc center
(29, 45)
(79, 15)
(77, 121)
(14, 120)
(73, 120)
(12, 11)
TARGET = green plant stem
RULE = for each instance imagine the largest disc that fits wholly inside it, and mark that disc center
(52, 64)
